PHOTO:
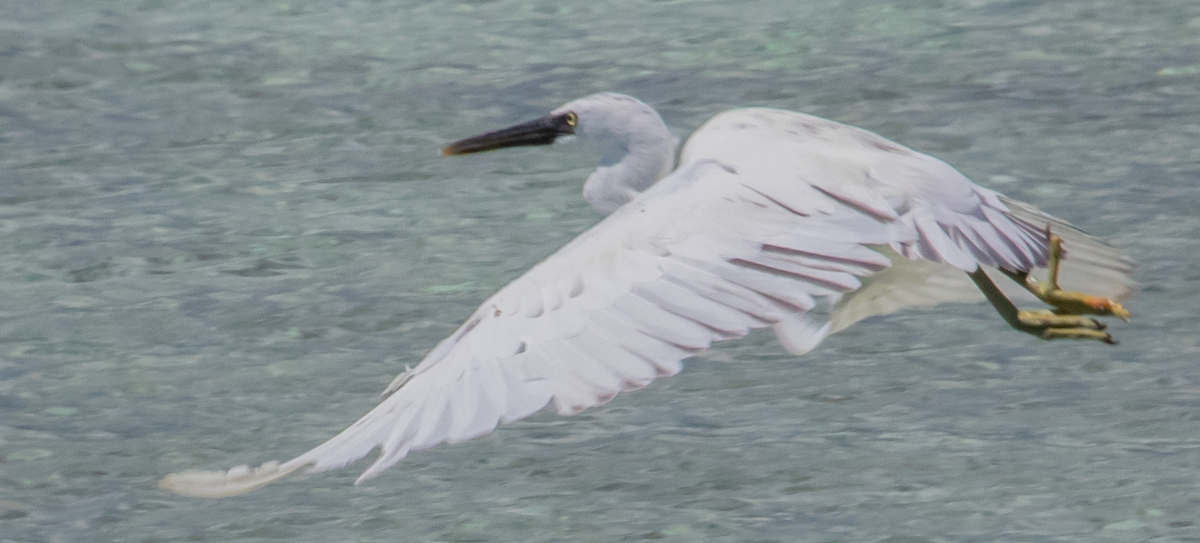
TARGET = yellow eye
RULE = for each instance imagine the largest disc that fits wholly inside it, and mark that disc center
(571, 118)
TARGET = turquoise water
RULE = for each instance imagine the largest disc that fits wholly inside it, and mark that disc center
(224, 228)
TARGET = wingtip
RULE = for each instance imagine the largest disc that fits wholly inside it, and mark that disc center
(222, 484)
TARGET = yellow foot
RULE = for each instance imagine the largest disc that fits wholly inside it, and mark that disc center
(1077, 303)
(1066, 320)
(1050, 325)
(1066, 302)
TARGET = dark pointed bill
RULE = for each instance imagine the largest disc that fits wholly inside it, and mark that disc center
(541, 131)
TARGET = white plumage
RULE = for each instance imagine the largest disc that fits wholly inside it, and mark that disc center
(769, 215)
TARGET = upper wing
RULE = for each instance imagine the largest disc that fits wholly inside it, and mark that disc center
(756, 228)
(956, 221)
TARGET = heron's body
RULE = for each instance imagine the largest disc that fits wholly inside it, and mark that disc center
(769, 215)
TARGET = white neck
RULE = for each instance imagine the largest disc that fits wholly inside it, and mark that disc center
(627, 168)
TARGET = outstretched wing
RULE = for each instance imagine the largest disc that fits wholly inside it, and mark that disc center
(770, 214)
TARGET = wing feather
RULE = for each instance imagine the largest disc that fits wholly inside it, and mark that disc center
(685, 303)
(632, 372)
(725, 293)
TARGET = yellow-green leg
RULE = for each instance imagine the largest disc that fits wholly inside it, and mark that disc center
(1066, 320)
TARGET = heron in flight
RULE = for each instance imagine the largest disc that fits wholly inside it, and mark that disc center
(771, 218)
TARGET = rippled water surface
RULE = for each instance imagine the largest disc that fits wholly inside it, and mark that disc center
(224, 228)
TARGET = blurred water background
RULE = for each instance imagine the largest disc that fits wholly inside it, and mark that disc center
(225, 226)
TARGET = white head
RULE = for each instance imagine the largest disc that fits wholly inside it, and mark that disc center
(636, 148)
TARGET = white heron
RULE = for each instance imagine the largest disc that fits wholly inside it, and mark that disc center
(771, 219)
